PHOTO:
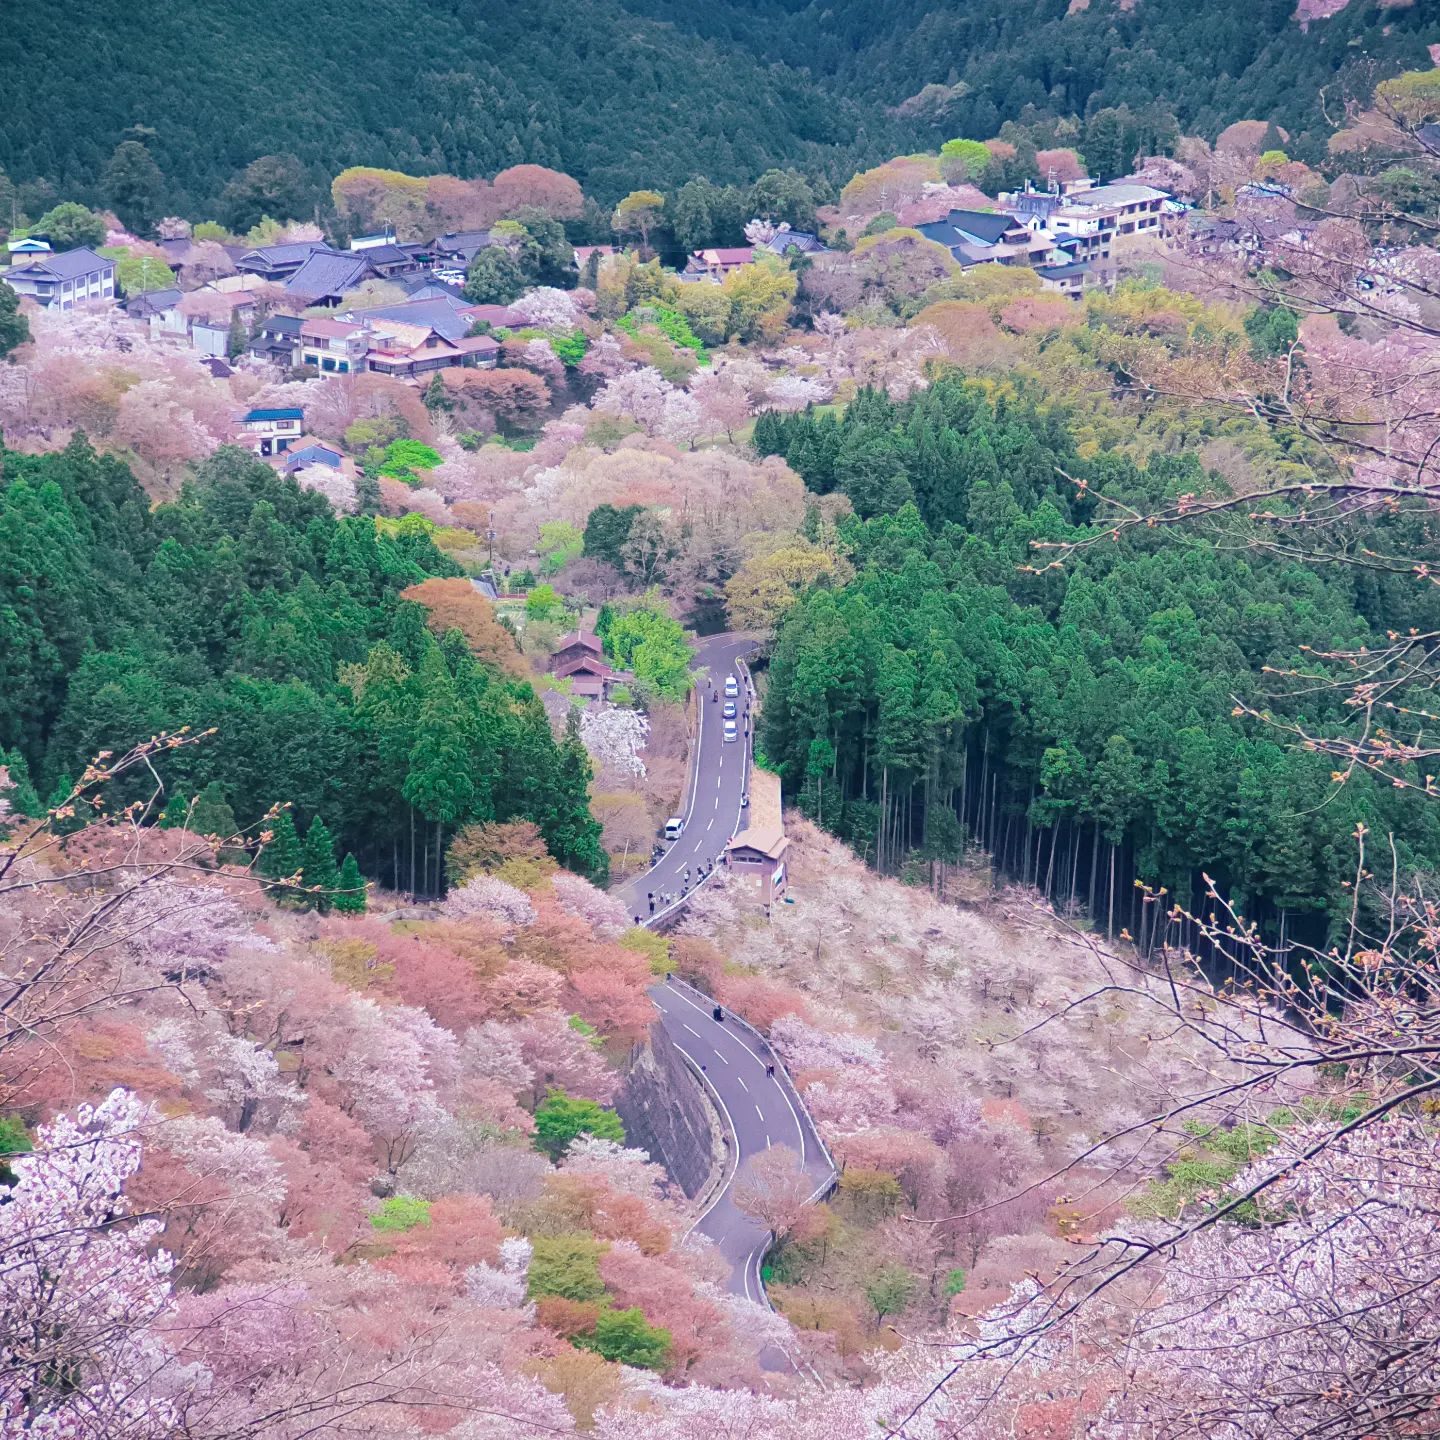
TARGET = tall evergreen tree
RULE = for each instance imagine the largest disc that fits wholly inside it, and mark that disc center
(14, 327)
(350, 897)
(438, 784)
(133, 185)
(317, 857)
(283, 854)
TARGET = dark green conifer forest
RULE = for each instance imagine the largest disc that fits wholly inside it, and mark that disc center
(630, 93)
(246, 605)
(1078, 722)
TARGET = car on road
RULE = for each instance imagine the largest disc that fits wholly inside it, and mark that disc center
(674, 827)
(732, 687)
(729, 711)
(731, 731)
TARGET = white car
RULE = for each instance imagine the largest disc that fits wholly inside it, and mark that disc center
(731, 733)
(732, 687)
(674, 827)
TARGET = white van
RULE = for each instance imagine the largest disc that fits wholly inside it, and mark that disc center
(674, 827)
(730, 731)
(732, 687)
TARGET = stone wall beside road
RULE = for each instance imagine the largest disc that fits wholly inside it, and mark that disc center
(665, 1112)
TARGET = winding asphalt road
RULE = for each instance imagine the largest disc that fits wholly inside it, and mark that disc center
(758, 1111)
(719, 773)
(744, 1079)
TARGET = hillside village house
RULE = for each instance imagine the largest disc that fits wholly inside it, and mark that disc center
(756, 856)
(717, 262)
(308, 451)
(277, 339)
(579, 657)
(270, 432)
(333, 347)
(24, 249)
(983, 237)
(279, 262)
(369, 341)
(457, 248)
(327, 276)
(201, 319)
(414, 352)
(1135, 209)
(60, 282)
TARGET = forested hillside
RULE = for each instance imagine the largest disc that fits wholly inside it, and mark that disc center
(1206, 64)
(1079, 722)
(421, 87)
(625, 93)
(249, 607)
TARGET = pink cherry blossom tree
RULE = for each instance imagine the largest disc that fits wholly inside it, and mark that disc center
(485, 895)
(81, 1292)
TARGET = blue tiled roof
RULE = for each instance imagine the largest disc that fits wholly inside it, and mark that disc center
(290, 414)
(313, 455)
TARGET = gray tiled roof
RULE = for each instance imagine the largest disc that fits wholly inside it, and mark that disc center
(152, 302)
(462, 242)
(442, 314)
(986, 228)
(802, 240)
(386, 254)
(420, 287)
(67, 265)
(293, 252)
(329, 274)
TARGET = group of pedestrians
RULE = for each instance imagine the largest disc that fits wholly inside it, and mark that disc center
(689, 878)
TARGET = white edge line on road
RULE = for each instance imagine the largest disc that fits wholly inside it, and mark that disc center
(646, 921)
(735, 1170)
(795, 1114)
(757, 1256)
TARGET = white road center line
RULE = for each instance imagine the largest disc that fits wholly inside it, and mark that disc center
(743, 1085)
(759, 1112)
(695, 1033)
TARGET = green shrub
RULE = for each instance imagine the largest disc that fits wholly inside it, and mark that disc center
(655, 948)
(626, 1337)
(567, 1265)
(401, 1212)
(561, 1117)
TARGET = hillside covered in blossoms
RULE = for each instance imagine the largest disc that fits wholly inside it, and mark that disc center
(704, 776)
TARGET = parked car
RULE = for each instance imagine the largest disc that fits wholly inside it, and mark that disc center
(731, 731)
(674, 827)
(732, 687)
(729, 710)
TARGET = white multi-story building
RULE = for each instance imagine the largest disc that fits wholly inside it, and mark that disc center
(60, 282)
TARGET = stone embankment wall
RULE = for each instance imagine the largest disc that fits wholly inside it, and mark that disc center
(665, 1112)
